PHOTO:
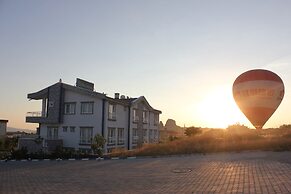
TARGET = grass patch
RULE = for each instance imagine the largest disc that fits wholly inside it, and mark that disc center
(218, 140)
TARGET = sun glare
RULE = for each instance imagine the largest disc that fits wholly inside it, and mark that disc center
(218, 109)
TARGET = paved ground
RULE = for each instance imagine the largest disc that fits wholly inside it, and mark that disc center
(248, 172)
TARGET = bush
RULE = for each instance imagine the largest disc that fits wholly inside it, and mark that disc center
(97, 145)
(191, 131)
(19, 154)
(219, 140)
(173, 138)
(5, 155)
(9, 143)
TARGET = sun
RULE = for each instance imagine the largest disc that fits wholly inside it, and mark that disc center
(218, 109)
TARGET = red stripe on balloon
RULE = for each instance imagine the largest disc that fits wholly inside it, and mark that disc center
(257, 74)
(258, 116)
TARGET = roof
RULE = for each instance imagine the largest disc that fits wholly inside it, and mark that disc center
(44, 92)
(84, 91)
(3, 120)
(142, 98)
(131, 101)
(127, 101)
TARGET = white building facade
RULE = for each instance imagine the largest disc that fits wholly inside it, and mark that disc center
(73, 115)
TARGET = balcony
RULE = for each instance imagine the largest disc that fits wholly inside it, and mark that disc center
(112, 116)
(35, 117)
(34, 114)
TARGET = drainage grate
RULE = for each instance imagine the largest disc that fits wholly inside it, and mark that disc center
(181, 170)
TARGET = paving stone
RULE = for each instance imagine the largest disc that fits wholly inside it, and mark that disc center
(246, 172)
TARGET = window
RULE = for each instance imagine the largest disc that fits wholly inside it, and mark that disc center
(112, 112)
(156, 135)
(65, 129)
(134, 136)
(120, 136)
(86, 134)
(111, 136)
(145, 135)
(70, 108)
(144, 117)
(52, 133)
(87, 107)
(151, 134)
(72, 129)
(135, 116)
(156, 119)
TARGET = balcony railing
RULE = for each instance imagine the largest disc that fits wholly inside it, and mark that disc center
(111, 116)
(34, 114)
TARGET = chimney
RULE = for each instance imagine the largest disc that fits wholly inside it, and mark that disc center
(116, 95)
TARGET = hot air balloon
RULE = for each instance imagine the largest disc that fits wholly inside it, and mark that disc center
(258, 93)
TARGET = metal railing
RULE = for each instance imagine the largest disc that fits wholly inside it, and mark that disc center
(112, 116)
(34, 114)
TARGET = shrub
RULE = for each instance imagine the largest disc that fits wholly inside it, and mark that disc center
(98, 143)
(19, 154)
(173, 138)
(191, 131)
(220, 141)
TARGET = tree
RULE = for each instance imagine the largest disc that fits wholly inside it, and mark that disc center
(191, 131)
(237, 128)
(97, 144)
(10, 143)
(285, 126)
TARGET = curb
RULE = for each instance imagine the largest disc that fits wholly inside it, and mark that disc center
(98, 159)
(70, 159)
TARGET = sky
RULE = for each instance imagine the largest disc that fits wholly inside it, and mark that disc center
(183, 56)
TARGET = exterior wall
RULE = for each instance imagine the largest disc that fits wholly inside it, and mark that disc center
(43, 131)
(55, 104)
(154, 126)
(133, 125)
(53, 99)
(30, 144)
(149, 126)
(77, 120)
(99, 121)
(120, 122)
(3, 126)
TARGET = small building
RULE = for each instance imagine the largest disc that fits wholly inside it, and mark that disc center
(3, 127)
(72, 115)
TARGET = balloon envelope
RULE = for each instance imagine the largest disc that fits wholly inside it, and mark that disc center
(258, 93)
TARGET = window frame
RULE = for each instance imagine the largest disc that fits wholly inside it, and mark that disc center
(145, 135)
(72, 129)
(135, 116)
(111, 137)
(145, 116)
(156, 135)
(88, 111)
(52, 133)
(65, 129)
(151, 135)
(156, 119)
(70, 104)
(112, 115)
(134, 136)
(120, 138)
(86, 135)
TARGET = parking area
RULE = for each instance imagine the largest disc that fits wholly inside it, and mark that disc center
(247, 172)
